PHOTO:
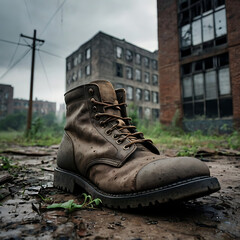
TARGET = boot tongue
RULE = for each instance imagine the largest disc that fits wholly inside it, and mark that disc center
(108, 95)
(107, 92)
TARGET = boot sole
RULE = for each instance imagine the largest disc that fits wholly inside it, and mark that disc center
(184, 190)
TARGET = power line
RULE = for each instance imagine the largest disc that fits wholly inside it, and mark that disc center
(54, 14)
(11, 42)
(14, 53)
(15, 63)
(28, 12)
(45, 72)
(49, 53)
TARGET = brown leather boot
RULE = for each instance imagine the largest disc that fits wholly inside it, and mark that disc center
(105, 155)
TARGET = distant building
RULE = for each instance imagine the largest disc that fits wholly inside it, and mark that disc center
(199, 53)
(122, 63)
(6, 100)
(39, 106)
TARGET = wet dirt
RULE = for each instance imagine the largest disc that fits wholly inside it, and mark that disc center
(27, 189)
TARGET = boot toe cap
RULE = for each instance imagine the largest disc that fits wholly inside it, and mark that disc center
(168, 171)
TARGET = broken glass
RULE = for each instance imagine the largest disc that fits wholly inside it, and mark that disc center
(186, 35)
(208, 30)
(146, 77)
(147, 95)
(220, 23)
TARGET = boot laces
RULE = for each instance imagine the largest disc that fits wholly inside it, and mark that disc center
(124, 121)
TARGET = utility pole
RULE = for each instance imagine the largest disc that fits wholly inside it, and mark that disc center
(34, 39)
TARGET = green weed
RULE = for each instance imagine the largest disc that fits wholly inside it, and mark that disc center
(71, 206)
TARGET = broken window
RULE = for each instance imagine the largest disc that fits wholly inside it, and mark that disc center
(154, 64)
(187, 88)
(146, 62)
(129, 73)
(88, 53)
(208, 63)
(119, 70)
(147, 113)
(138, 75)
(138, 94)
(87, 70)
(146, 77)
(129, 93)
(147, 95)
(155, 97)
(129, 55)
(119, 52)
(198, 86)
(154, 79)
(226, 107)
(224, 81)
(211, 85)
(211, 109)
(138, 58)
(202, 25)
(208, 30)
(186, 36)
(220, 23)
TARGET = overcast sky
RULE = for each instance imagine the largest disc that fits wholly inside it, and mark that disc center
(64, 31)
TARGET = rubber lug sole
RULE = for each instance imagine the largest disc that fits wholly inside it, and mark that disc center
(184, 190)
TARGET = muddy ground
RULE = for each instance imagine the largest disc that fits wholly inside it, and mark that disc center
(26, 180)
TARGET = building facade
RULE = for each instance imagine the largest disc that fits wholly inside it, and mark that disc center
(123, 64)
(39, 106)
(199, 58)
(6, 100)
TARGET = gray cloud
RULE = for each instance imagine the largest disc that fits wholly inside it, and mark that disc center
(74, 24)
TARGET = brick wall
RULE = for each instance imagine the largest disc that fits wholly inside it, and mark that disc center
(169, 76)
(233, 25)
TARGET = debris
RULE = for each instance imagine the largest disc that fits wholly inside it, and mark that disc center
(5, 177)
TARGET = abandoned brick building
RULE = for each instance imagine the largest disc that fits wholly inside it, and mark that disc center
(199, 61)
(124, 64)
(9, 105)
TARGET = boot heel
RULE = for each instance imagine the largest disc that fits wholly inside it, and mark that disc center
(63, 181)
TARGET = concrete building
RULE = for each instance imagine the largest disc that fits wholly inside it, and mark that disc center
(199, 61)
(39, 106)
(122, 63)
(6, 100)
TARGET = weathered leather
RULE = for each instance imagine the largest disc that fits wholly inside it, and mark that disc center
(98, 157)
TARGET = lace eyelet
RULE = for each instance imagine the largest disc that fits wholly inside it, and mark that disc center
(94, 108)
(108, 132)
(119, 142)
(102, 124)
(97, 117)
(92, 100)
(115, 136)
(125, 148)
(90, 91)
